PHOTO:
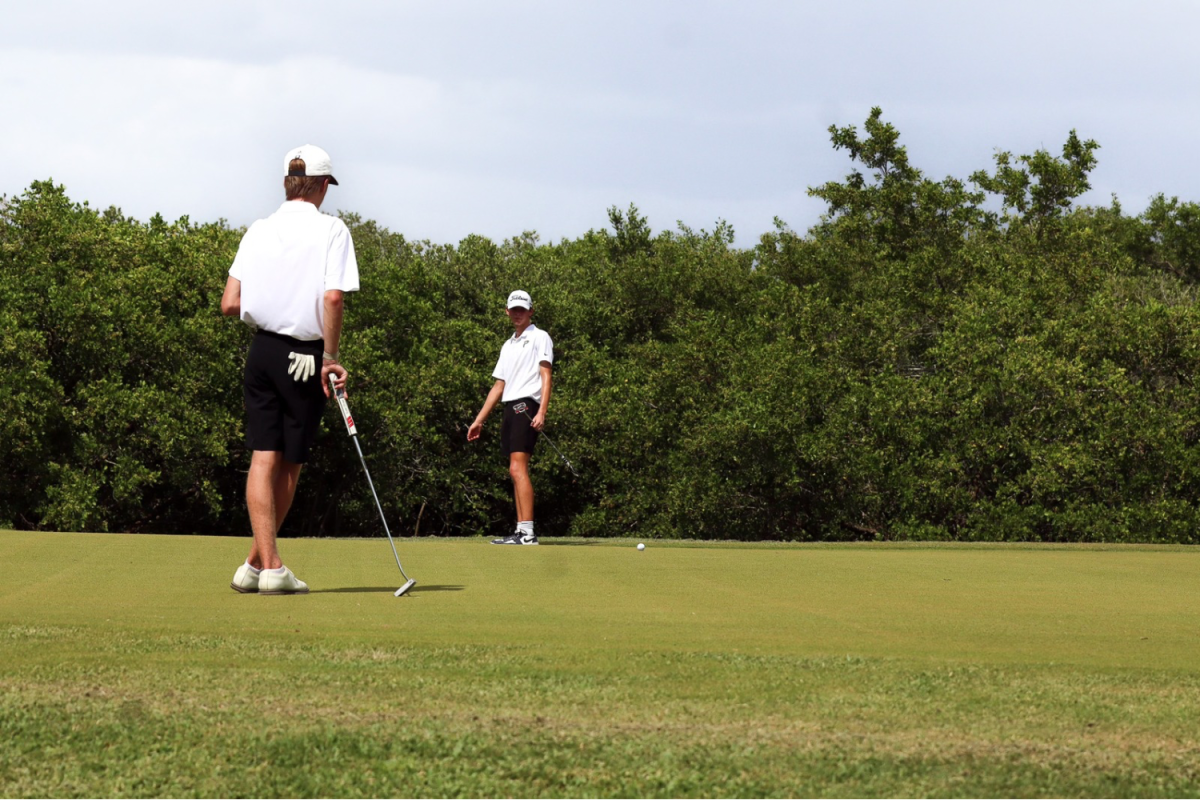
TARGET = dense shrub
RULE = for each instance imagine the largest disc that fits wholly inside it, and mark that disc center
(927, 362)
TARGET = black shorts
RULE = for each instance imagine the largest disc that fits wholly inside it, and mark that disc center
(282, 414)
(517, 434)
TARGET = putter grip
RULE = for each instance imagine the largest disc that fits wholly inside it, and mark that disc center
(340, 394)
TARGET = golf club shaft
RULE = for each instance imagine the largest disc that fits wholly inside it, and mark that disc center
(552, 444)
(352, 429)
(382, 519)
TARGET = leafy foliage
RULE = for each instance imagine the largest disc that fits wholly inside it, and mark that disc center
(915, 366)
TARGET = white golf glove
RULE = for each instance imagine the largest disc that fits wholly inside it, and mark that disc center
(302, 367)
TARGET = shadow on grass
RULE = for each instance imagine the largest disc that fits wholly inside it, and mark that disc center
(389, 589)
(567, 544)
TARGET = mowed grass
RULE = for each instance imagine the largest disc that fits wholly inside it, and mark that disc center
(129, 668)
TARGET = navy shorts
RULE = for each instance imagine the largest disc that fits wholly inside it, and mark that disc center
(282, 413)
(517, 434)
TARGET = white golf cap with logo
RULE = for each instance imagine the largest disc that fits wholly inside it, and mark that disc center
(316, 163)
(519, 299)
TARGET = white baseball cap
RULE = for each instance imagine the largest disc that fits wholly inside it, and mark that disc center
(316, 163)
(519, 299)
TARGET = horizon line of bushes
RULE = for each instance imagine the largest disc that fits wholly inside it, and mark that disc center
(934, 360)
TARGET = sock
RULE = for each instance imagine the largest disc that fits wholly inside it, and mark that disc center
(525, 528)
(253, 569)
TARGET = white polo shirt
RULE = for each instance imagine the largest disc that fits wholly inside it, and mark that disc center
(520, 359)
(287, 262)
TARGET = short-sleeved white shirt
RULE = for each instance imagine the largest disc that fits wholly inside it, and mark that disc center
(287, 262)
(520, 361)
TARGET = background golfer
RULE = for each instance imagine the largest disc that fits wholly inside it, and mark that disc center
(523, 384)
(288, 282)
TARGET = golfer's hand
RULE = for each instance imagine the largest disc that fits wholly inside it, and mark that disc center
(303, 366)
(538, 422)
(339, 376)
(474, 431)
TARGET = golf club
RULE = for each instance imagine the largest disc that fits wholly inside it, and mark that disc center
(353, 431)
(522, 408)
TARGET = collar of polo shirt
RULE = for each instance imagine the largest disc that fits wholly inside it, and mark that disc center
(516, 336)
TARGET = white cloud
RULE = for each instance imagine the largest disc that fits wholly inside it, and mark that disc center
(471, 116)
(172, 134)
(203, 137)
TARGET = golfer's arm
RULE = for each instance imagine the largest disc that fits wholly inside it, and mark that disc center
(231, 301)
(335, 300)
(544, 368)
(493, 397)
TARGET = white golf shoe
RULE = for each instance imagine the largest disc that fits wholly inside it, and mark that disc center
(245, 580)
(280, 581)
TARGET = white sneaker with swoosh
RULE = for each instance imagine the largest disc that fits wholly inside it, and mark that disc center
(516, 538)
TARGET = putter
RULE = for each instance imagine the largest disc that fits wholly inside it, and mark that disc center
(353, 431)
(522, 408)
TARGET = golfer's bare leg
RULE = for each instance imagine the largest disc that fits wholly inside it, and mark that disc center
(285, 489)
(518, 468)
(270, 487)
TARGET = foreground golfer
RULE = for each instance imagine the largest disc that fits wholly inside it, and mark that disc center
(523, 384)
(287, 283)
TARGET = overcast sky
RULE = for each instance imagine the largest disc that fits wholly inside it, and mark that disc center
(448, 118)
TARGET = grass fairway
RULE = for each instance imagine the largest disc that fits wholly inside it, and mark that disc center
(129, 668)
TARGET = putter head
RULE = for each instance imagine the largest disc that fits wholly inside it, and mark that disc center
(411, 583)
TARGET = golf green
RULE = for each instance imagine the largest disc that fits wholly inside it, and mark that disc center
(851, 669)
(1116, 606)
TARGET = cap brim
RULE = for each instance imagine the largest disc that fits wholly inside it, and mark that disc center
(518, 305)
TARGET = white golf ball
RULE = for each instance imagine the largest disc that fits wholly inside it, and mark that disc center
(641, 546)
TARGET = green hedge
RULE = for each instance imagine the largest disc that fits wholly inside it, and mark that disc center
(928, 362)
